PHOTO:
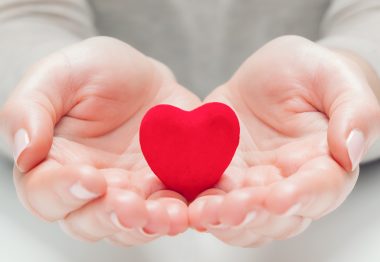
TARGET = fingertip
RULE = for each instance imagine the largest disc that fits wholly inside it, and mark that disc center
(202, 211)
(130, 210)
(233, 208)
(167, 194)
(336, 139)
(158, 219)
(176, 207)
(195, 212)
(92, 180)
(353, 128)
(178, 215)
(238, 203)
(32, 139)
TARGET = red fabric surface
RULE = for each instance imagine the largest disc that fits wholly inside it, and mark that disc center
(189, 150)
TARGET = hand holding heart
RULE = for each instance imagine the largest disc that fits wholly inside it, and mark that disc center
(81, 108)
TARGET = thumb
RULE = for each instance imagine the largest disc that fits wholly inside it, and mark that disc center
(30, 114)
(353, 127)
(29, 125)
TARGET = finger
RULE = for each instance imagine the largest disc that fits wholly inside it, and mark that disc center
(127, 239)
(204, 210)
(29, 126)
(132, 237)
(158, 224)
(312, 190)
(274, 227)
(302, 226)
(245, 238)
(52, 191)
(354, 114)
(34, 108)
(279, 227)
(176, 208)
(159, 221)
(119, 210)
(238, 206)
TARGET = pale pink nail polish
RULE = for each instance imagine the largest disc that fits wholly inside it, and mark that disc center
(293, 210)
(146, 234)
(80, 192)
(248, 219)
(21, 141)
(115, 220)
(217, 226)
(356, 146)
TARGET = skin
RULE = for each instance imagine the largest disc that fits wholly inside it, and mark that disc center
(70, 103)
(84, 106)
(290, 167)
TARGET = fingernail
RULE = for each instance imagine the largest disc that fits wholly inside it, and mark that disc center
(305, 223)
(80, 192)
(247, 220)
(21, 141)
(217, 226)
(356, 146)
(293, 210)
(115, 220)
(144, 233)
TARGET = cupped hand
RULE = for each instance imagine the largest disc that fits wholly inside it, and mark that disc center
(307, 116)
(74, 121)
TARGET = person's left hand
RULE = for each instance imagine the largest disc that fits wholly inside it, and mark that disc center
(307, 116)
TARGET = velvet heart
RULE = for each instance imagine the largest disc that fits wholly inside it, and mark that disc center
(189, 150)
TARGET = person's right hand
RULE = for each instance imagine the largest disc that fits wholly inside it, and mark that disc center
(74, 121)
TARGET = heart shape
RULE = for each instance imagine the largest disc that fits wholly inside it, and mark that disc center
(189, 150)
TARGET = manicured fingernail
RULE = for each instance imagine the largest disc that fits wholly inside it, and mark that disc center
(144, 233)
(217, 226)
(247, 220)
(115, 220)
(292, 210)
(21, 141)
(80, 192)
(356, 147)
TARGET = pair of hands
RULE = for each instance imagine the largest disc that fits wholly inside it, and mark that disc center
(307, 116)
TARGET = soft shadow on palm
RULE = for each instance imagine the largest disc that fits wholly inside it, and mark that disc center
(282, 171)
(102, 131)
(283, 147)
(265, 140)
(283, 174)
(94, 178)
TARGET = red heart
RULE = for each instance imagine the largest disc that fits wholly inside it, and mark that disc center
(189, 150)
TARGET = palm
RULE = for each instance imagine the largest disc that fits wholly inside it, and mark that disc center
(102, 130)
(276, 148)
(102, 89)
(283, 159)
